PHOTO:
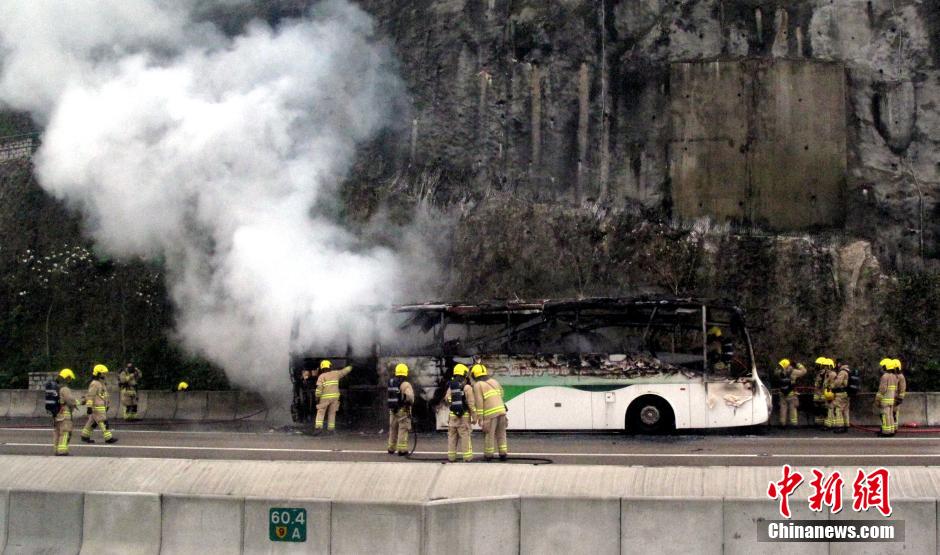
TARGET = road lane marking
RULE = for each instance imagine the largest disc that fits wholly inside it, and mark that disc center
(521, 454)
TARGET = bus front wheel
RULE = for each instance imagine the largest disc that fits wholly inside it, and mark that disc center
(650, 414)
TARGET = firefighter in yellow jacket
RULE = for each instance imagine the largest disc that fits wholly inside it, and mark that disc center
(819, 400)
(63, 418)
(829, 375)
(840, 403)
(459, 398)
(491, 412)
(128, 380)
(902, 390)
(787, 376)
(327, 394)
(97, 401)
(401, 397)
(885, 398)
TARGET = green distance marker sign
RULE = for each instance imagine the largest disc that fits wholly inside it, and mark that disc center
(287, 525)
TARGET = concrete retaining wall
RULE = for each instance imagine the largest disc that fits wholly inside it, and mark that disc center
(152, 405)
(542, 509)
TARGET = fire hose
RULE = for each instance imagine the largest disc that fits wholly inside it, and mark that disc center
(413, 446)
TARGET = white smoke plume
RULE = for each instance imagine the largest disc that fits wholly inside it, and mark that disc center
(217, 155)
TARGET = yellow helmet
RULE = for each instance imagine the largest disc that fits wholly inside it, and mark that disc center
(325, 365)
(460, 370)
(784, 363)
(478, 371)
(401, 369)
(67, 374)
(886, 363)
(99, 369)
(714, 330)
(829, 395)
(896, 364)
(183, 386)
(823, 361)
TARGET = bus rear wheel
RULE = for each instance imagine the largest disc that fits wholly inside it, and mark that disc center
(650, 414)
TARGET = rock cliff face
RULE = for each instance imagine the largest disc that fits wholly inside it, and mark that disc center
(547, 133)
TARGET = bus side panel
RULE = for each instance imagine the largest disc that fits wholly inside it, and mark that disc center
(730, 404)
(610, 407)
(556, 408)
(698, 415)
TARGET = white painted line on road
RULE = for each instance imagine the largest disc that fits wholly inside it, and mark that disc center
(543, 454)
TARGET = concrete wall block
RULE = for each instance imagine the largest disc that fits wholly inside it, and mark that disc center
(158, 405)
(26, 403)
(191, 405)
(257, 522)
(570, 525)
(250, 406)
(4, 513)
(5, 402)
(44, 522)
(932, 400)
(920, 529)
(121, 524)
(496, 518)
(386, 528)
(221, 405)
(642, 521)
(914, 409)
(202, 524)
(740, 517)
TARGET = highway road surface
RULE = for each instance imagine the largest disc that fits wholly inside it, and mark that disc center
(257, 441)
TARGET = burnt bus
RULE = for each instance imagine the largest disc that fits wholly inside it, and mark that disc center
(640, 364)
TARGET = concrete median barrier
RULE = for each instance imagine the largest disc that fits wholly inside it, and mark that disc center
(316, 526)
(933, 409)
(496, 518)
(570, 525)
(201, 524)
(221, 405)
(913, 409)
(642, 519)
(44, 522)
(4, 513)
(250, 406)
(920, 529)
(191, 405)
(5, 402)
(386, 528)
(157, 405)
(26, 403)
(121, 524)
(741, 517)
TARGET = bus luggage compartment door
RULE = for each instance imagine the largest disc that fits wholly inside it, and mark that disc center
(557, 408)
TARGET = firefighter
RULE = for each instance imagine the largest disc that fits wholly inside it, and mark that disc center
(841, 403)
(885, 398)
(327, 394)
(401, 397)
(63, 417)
(128, 380)
(787, 376)
(902, 389)
(819, 398)
(829, 395)
(459, 398)
(491, 412)
(97, 401)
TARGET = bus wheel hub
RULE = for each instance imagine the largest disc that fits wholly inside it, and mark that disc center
(649, 415)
